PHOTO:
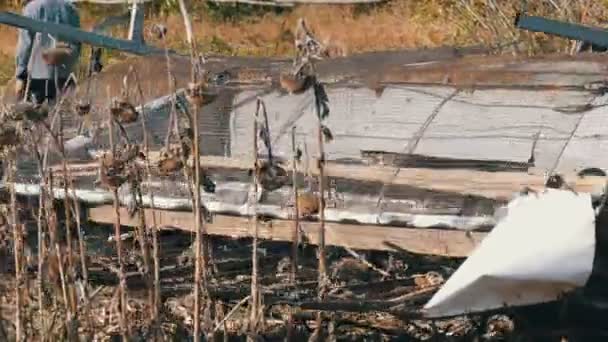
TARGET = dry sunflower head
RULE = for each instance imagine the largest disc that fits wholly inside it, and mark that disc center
(57, 55)
(295, 84)
(169, 163)
(131, 152)
(308, 204)
(123, 111)
(112, 178)
(9, 135)
(83, 107)
(110, 166)
(197, 94)
(271, 176)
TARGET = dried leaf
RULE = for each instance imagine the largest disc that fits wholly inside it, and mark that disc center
(321, 100)
(264, 135)
(327, 134)
(95, 66)
(208, 184)
(298, 155)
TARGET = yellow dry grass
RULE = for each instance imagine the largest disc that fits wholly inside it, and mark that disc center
(403, 24)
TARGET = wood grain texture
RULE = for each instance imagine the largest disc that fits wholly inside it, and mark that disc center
(494, 185)
(366, 237)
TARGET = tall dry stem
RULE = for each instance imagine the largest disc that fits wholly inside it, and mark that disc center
(321, 102)
(83, 263)
(296, 206)
(155, 299)
(136, 180)
(122, 290)
(255, 286)
(200, 266)
(40, 227)
(64, 289)
(46, 201)
(17, 240)
(199, 269)
(67, 183)
(322, 257)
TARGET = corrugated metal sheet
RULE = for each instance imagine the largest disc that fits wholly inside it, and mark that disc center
(487, 124)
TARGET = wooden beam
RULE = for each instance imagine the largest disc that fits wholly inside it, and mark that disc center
(495, 185)
(449, 243)
(71, 34)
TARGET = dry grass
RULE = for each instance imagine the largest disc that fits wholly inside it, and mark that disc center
(410, 24)
(398, 24)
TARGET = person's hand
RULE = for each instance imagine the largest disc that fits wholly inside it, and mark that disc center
(19, 87)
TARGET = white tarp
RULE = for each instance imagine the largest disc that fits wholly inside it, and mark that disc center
(543, 247)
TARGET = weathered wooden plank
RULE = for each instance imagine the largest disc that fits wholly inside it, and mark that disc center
(541, 71)
(496, 185)
(259, 72)
(415, 240)
(67, 33)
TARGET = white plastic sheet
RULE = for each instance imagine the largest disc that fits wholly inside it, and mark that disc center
(543, 247)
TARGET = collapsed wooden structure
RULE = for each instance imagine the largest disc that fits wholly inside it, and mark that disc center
(427, 148)
(495, 126)
(428, 145)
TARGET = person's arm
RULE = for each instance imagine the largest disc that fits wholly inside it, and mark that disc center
(24, 47)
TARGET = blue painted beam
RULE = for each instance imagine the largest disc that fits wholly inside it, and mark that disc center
(71, 34)
(572, 31)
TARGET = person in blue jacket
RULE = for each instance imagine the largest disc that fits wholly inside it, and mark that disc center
(32, 47)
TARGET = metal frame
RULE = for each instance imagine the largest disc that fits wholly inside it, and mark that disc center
(572, 31)
(135, 44)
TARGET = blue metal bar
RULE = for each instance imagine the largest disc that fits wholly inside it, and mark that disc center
(572, 31)
(70, 34)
